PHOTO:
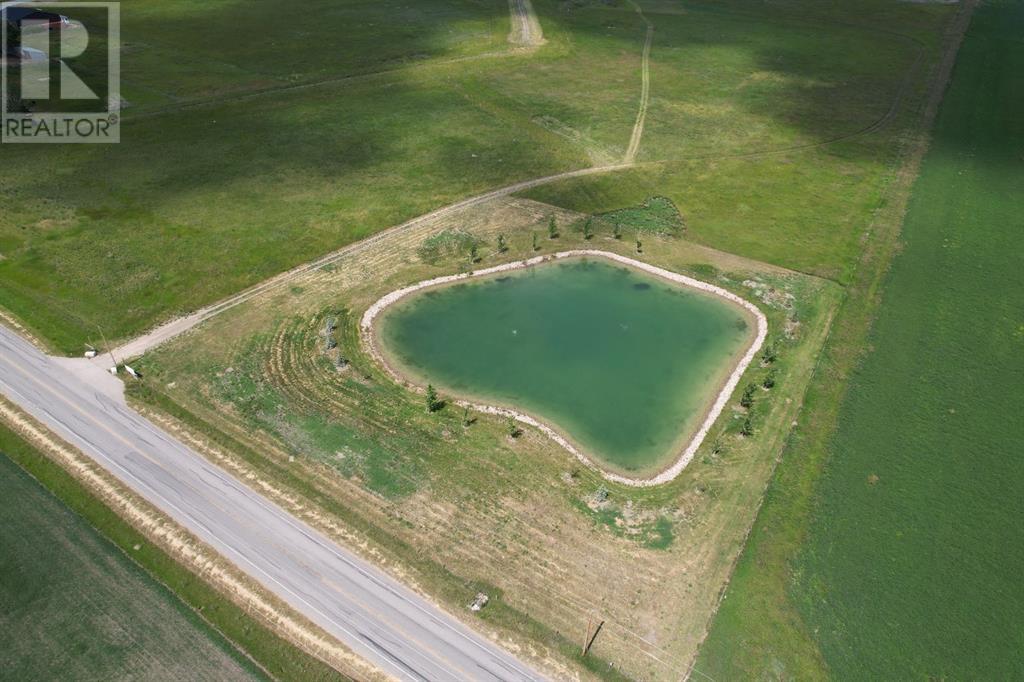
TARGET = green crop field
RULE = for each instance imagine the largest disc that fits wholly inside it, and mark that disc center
(72, 606)
(908, 564)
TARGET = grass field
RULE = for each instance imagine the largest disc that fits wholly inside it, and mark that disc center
(902, 563)
(520, 519)
(756, 107)
(135, 232)
(73, 606)
(192, 50)
(123, 237)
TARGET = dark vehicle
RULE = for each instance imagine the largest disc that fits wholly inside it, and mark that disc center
(18, 16)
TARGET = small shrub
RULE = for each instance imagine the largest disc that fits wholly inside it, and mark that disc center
(657, 215)
(706, 272)
(447, 244)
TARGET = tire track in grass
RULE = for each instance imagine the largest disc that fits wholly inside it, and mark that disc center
(526, 29)
(645, 89)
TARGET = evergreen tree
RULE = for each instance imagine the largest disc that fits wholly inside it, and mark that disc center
(748, 427)
(747, 400)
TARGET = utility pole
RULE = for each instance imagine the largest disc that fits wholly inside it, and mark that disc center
(592, 631)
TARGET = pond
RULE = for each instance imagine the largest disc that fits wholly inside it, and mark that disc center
(624, 364)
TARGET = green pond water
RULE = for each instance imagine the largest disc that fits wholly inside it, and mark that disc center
(623, 363)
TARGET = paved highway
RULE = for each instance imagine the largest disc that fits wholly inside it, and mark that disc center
(376, 616)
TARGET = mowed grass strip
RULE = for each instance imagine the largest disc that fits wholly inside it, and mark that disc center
(83, 595)
(902, 561)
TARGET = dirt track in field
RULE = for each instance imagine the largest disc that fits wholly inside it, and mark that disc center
(645, 90)
(526, 28)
